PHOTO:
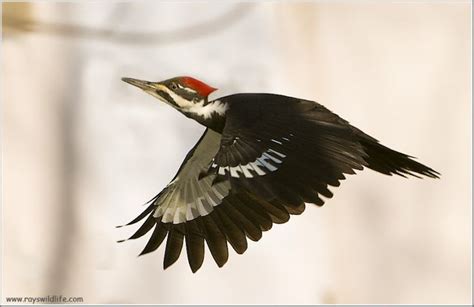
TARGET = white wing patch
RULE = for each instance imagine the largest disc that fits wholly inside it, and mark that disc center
(268, 162)
(186, 201)
(187, 197)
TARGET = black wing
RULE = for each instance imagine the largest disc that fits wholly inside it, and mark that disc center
(267, 163)
(194, 210)
(183, 208)
(291, 150)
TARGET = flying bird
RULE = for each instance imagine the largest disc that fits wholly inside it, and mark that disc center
(260, 159)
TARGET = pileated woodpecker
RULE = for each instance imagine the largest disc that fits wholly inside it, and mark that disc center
(261, 158)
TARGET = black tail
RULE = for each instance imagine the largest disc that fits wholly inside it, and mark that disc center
(387, 161)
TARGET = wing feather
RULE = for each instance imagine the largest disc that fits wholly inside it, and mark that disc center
(268, 161)
(194, 244)
(234, 234)
(174, 244)
(157, 237)
(216, 240)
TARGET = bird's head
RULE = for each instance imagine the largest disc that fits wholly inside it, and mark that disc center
(182, 93)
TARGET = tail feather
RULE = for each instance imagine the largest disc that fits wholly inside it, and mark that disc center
(387, 161)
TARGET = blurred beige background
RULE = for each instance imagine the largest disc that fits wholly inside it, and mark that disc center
(82, 150)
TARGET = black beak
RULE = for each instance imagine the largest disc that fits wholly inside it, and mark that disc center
(144, 85)
(155, 89)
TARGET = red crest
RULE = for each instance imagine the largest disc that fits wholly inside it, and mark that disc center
(200, 87)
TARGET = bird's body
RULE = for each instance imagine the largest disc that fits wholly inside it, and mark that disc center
(261, 158)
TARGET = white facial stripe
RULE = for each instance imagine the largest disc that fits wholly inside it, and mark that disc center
(180, 101)
(190, 106)
(206, 111)
(187, 89)
(154, 94)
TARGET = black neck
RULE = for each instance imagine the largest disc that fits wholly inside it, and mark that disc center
(215, 122)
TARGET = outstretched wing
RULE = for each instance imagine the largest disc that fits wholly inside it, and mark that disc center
(289, 150)
(193, 210)
(267, 163)
(292, 150)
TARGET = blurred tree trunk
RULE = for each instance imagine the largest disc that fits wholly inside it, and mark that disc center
(39, 156)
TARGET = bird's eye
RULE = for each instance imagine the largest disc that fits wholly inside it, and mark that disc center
(174, 86)
(196, 99)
